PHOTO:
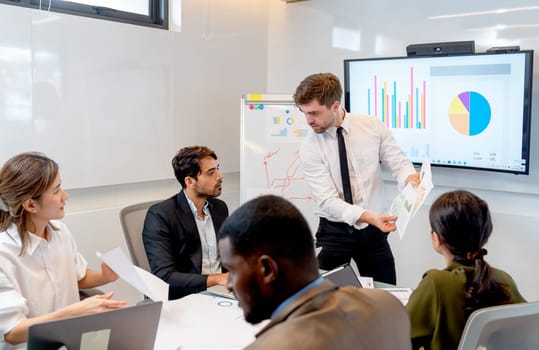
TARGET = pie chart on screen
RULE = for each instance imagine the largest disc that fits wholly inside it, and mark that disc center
(469, 113)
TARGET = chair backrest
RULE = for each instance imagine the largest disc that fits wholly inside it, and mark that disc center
(132, 219)
(513, 326)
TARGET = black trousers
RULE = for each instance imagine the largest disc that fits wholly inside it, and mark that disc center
(368, 247)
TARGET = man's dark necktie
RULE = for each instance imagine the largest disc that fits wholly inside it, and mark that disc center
(345, 175)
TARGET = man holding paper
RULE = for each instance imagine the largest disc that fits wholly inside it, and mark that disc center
(180, 233)
(341, 164)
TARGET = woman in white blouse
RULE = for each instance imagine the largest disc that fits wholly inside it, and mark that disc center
(41, 269)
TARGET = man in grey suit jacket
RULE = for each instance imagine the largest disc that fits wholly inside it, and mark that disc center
(180, 233)
(267, 247)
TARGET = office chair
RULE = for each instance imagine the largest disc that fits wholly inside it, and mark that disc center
(513, 326)
(132, 220)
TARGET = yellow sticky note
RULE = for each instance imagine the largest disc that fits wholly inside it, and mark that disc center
(254, 97)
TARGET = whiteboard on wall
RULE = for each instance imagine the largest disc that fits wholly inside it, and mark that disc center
(272, 128)
(102, 109)
(126, 135)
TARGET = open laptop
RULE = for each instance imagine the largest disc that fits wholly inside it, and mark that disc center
(221, 291)
(132, 327)
(342, 276)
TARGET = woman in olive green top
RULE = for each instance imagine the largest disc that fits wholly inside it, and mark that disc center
(439, 307)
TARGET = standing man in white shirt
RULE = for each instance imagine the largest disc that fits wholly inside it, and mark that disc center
(354, 227)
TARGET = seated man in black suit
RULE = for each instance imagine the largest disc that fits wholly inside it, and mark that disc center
(180, 233)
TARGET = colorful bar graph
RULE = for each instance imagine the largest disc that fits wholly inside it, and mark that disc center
(404, 113)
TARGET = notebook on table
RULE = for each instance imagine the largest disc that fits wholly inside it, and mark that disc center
(132, 327)
(342, 276)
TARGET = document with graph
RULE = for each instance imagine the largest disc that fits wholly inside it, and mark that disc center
(408, 201)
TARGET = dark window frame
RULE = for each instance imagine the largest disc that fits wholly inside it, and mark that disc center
(157, 18)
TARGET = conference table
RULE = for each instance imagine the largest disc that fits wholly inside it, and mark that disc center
(210, 321)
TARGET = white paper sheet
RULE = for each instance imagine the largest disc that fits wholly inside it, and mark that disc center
(366, 282)
(146, 283)
(403, 294)
(407, 202)
(201, 321)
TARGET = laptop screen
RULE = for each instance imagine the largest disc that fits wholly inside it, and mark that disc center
(343, 276)
(132, 327)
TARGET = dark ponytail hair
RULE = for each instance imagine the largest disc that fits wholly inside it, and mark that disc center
(462, 221)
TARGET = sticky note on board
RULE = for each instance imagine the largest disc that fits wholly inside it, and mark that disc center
(254, 97)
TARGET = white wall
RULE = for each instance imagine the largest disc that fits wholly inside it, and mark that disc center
(100, 69)
(116, 93)
(227, 48)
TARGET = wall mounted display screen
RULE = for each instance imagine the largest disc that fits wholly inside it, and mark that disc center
(466, 111)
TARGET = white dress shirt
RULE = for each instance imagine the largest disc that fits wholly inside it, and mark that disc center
(368, 142)
(42, 280)
(211, 263)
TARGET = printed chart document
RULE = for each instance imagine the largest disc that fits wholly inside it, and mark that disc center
(143, 281)
(406, 203)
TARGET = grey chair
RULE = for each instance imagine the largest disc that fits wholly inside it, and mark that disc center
(513, 326)
(132, 220)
